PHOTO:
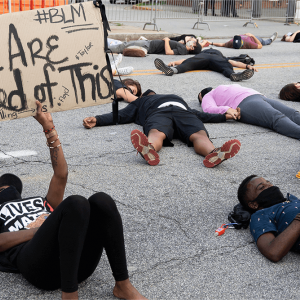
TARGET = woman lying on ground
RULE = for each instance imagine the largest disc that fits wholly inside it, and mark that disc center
(68, 235)
(255, 108)
(290, 92)
(292, 37)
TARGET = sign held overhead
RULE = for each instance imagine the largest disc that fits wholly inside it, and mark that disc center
(53, 55)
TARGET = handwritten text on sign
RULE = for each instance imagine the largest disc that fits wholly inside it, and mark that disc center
(53, 55)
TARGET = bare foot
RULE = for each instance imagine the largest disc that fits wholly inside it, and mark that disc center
(69, 296)
(125, 290)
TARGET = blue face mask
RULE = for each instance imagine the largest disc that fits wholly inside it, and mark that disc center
(9, 194)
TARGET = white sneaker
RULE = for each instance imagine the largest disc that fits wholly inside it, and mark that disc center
(273, 37)
(143, 38)
(118, 60)
(124, 71)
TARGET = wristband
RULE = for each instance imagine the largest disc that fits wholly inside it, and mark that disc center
(51, 134)
(47, 131)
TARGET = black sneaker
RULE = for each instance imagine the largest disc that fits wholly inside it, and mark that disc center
(247, 74)
(160, 65)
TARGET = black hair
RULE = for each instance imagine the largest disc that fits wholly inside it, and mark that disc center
(197, 49)
(204, 92)
(290, 93)
(11, 179)
(129, 81)
(242, 191)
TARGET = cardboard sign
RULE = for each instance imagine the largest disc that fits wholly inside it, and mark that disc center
(54, 55)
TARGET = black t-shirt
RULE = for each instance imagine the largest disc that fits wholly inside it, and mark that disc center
(158, 47)
(297, 38)
(20, 214)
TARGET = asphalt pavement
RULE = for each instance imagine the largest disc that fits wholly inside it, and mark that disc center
(170, 211)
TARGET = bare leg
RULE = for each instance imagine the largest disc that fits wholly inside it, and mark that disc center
(201, 142)
(125, 290)
(156, 138)
(69, 296)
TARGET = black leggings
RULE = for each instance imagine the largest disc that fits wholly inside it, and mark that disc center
(68, 246)
(210, 59)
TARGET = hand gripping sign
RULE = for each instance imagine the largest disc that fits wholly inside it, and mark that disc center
(54, 55)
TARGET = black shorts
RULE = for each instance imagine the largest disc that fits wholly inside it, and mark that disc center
(174, 122)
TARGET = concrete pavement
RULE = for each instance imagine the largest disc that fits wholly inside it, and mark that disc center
(170, 211)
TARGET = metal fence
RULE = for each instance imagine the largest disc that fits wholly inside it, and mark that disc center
(201, 11)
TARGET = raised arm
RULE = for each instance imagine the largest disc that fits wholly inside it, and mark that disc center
(168, 49)
(59, 179)
(275, 248)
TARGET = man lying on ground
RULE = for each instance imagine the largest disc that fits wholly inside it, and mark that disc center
(164, 117)
(275, 220)
(209, 59)
(247, 41)
(257, 109)
(165, 46)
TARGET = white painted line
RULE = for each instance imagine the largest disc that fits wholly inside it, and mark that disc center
(17, 153)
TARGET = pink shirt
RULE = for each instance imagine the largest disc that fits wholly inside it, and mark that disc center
(223, 97)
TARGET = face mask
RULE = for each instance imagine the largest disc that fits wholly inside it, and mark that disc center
(9, 194)
(190, 44)
(269, 197)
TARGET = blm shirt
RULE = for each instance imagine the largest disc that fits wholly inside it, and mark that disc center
(20, 214)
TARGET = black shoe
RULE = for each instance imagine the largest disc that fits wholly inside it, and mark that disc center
(247, 74)
(160, 65)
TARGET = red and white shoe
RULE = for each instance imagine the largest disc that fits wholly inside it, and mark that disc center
(141, 144)
(217, 156)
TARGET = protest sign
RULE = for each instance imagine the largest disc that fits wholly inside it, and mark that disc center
(54, 55)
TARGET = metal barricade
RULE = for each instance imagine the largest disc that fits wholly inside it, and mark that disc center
(200, 11)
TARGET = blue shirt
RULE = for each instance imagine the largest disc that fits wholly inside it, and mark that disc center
(275, 219)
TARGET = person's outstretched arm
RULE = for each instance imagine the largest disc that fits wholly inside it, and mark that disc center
(59, 179)
(217, 44)
(125, 116)
(168, 49)
(275, 248)
(241, 65)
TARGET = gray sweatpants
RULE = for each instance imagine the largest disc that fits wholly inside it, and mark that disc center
(261, 111)
(119, 48)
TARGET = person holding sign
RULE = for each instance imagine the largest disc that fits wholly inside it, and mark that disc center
(55, 243)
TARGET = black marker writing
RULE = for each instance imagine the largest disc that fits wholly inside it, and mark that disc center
(13, 33)
(57, 15)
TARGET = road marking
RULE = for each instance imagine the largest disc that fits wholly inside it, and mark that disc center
(17, 153)
(258, 66)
